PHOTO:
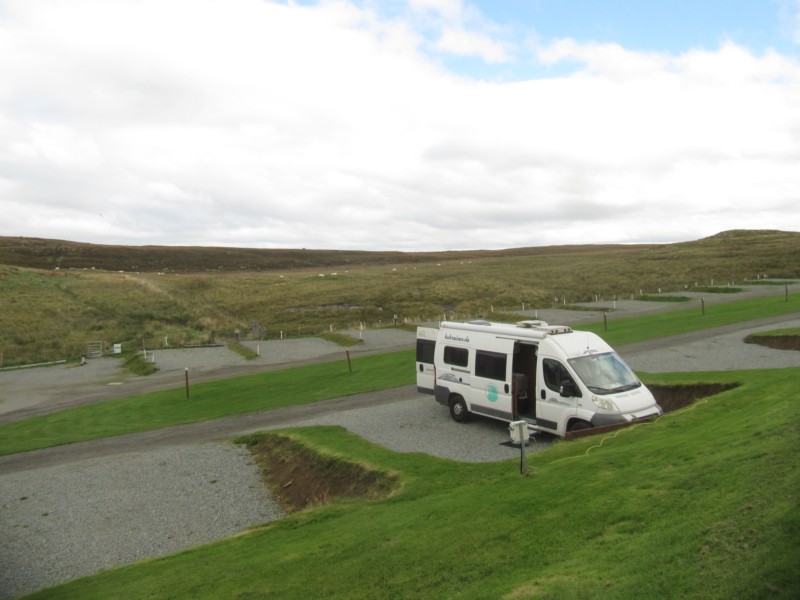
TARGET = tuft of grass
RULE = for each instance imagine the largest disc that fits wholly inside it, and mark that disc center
(717, 289)
(664, 298)
(581, 307)
(135, 362)
(777, 332)
(342, 339)
(242, 350)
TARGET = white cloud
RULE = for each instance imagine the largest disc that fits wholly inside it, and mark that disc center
(460, 29)
(450, 9)
(262, 124)
(790, 12)
(470, 43)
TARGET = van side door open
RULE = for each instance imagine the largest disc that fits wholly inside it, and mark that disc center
(426, 346)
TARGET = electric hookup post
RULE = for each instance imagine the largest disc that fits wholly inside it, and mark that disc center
(519, 435)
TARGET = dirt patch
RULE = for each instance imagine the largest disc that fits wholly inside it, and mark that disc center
(300, 477)
(675, 397)
(777, 342)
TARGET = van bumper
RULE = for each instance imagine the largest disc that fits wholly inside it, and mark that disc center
(603, 420)
(609, 425)
(441, 394)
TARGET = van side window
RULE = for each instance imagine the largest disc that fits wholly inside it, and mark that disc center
(555, 373)
(491, 365)
(425, 350)
(458, 357)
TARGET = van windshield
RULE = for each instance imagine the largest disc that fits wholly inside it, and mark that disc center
(605, 373)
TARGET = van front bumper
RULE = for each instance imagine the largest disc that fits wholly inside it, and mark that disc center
(602, 423)
(605, 419)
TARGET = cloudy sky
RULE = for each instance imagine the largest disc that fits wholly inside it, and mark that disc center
(398, 124)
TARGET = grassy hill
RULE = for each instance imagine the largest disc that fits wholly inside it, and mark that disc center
(55, 295)
(701, 504)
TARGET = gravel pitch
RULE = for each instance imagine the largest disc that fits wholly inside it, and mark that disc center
(59, 523)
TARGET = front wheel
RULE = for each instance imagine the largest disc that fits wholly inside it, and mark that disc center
(579, 425)
(459, 410)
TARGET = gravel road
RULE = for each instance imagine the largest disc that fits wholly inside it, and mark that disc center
(68, 512)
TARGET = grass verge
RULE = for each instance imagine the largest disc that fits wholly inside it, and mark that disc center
(212, 400)
(702, 503)
(655, 325)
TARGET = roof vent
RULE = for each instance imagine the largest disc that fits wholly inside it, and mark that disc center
(554, 329)
(532, 324)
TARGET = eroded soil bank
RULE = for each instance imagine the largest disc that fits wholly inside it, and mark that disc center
(675, 397)
(777, 342)
(300, 477)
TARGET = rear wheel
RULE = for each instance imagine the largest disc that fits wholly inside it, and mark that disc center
(458, 409)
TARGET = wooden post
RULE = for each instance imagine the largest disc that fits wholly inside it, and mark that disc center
(186, 373)
(703, 305)
(605, 322)
(349, 364)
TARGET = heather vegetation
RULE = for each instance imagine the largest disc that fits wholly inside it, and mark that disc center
(55, 296)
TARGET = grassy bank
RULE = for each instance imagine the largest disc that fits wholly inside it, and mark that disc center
(701, 504)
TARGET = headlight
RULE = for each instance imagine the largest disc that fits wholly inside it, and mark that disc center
(605, 404)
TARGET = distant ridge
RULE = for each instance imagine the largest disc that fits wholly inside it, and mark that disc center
(38, 253)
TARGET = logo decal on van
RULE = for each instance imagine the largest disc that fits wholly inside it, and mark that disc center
(457, 338)
(491, 393)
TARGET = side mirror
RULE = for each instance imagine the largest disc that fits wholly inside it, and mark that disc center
(569, 389)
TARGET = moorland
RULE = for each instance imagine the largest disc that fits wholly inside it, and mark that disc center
(701, 503)
(55, 296)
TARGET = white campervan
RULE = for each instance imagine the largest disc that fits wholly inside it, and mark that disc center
(554, 378)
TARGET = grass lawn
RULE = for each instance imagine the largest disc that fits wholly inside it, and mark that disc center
(702, 503)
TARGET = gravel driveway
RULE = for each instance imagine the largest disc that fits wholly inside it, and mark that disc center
(61, 522)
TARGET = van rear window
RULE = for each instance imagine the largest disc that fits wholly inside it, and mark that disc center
(491, 365)
(458, 357)
(425, 350)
